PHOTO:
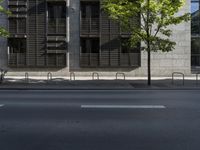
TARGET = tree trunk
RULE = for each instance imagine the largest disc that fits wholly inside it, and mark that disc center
(148, 46)
(149, 65)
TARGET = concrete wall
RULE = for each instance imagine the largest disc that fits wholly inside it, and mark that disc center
(163, 64)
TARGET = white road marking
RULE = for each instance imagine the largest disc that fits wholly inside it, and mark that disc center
(125, 106)
(1, 105)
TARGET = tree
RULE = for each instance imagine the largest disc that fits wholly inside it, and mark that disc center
(155, 18)
(3, 11)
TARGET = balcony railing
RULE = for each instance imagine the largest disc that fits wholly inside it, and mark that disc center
(89, 59)
(16, 9)
(109, 60)
(130, 59)
(14, 30)
(56, 26)
(17, 2)
(17, 26)
(17, 59)
(89, 25)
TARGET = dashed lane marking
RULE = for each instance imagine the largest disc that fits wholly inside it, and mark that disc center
(123, 106)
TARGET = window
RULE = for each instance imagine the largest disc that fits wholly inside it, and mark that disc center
(89, 56)
(101, 45)
(195, 51)
(89, 45)
(95, 10)
(17, 26)
(195, 33)
(90, 13)
(90, 9)
(56, 18)
(21, 25)
(17, 45)
(195, 17)
(13, 25)
(56, 10)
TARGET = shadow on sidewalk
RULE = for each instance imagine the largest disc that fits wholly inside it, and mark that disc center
(61, 83)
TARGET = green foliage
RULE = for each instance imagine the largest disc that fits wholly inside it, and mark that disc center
(155, 17)
(3, 31)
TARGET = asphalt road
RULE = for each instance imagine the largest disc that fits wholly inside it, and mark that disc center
(100, 120)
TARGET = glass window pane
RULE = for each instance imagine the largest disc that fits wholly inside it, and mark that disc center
(125, 45)
(17, 45)
(195, 32)
(61, 11)
(195, 18)
(12, 25)
(95, 45)
(22, 25)
(195, 52)
(95, 10)
(194, 6)
(51, 12)
(195, 45)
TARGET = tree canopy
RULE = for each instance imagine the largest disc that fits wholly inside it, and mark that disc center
(3, 11)
(155, 17)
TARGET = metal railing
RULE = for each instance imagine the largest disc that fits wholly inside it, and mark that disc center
(197, 78)
(106, 59)
(120, 73)
(49, 76)
(178, 73)
(89, 59)
(95, 74)
(17, 9)
(17, 3)
(17, 59)
(89, 25)
(72, 76)
(2, 75)
(56, 26)
(26, 77)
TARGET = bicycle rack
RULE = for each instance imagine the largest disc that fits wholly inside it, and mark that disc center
(3, 72)
(197, 78)
(26, 77)
(72, 76)
(93, 75)
(49, 76)
(120, 73)
(178, 73)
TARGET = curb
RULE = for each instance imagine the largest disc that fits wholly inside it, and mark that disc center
(93, 89)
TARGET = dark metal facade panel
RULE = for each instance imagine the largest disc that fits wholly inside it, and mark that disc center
(41, 33)
(114, 50)
(29, 20)
(18, 32)
(46, 36)
(110, 35)
(104, 23)
(104, 50)
(32, 33)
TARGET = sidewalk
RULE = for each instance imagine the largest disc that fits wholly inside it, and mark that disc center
(131, 83)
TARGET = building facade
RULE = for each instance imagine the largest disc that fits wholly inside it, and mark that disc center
(65, 36)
